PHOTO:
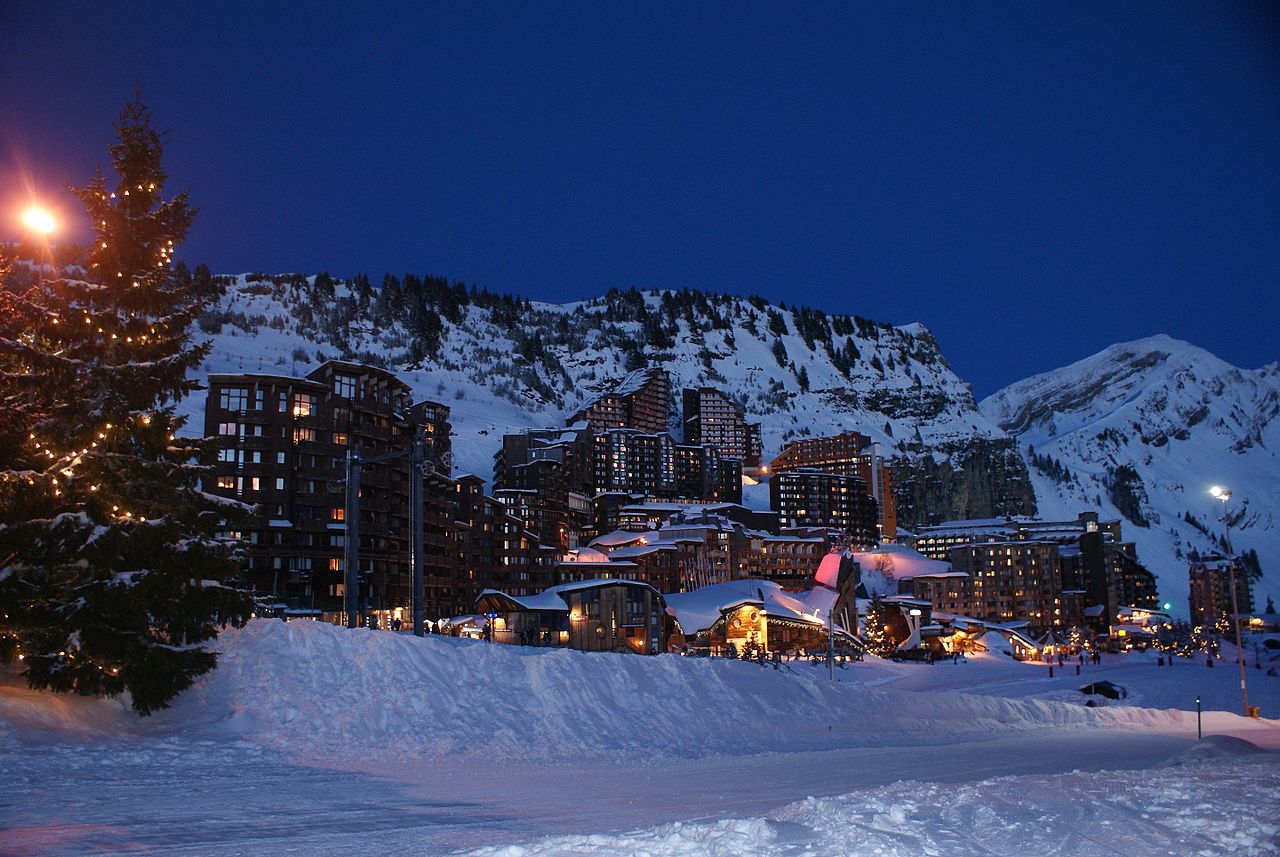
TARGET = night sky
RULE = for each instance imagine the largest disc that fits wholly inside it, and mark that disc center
(1032, 182)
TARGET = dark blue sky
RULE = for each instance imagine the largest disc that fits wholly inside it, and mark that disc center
(1032, 182)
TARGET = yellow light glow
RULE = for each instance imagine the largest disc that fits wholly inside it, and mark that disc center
(39, 220)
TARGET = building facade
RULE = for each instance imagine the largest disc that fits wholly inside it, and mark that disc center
(1095, 567)
(711, 417)
(641, 401)
(283, 445)
(654, 465)
(1210, 579)
(1007, 582)
(808, 497)
(849, 454)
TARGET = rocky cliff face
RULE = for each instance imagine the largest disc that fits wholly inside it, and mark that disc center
(978, 478)
(1142, 430)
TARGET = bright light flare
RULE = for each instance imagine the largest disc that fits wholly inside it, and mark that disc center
(1220, 493)
(39, 220)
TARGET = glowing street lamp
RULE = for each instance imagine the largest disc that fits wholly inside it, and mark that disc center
(39, 219)
(1223, 495)
(41, 222)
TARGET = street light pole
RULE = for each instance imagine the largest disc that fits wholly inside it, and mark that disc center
(831, 641)
(1224, 495)
(351, 516)
(417, 456)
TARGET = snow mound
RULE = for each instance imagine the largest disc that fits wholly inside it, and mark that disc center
(1202, 810)
(1214, 747)
(313, 691)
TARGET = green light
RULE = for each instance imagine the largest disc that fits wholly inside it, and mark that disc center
(1167, 605)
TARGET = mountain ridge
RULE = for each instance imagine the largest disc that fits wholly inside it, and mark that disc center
(1142, 430)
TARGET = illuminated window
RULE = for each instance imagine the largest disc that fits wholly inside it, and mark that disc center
(226, 482)
(340, 438)
(335, 563)
(304, 404)
(228, 429)
(337, 513)
(301, 434)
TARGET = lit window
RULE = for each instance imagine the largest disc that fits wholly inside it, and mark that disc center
(227, 482)
(337, 513)
(304, 404)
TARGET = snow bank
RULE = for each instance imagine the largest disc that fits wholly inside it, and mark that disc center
(314, 691)
(1201, 810)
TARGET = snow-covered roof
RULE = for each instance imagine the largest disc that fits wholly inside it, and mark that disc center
(619, 538)
(632, 551)
(698, 610)
(552, 598)
(883, 567)
(586, 554)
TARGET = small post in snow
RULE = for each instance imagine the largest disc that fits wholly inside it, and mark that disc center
(1199, 731)
(831, 641)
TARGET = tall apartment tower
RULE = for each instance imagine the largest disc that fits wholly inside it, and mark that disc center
(711, 417)
(1210, 579)
(283, 445)
(810, 497)
(642, 401)
(849, 454)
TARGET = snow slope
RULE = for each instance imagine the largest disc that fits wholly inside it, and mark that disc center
(1183, 420)
(1229, 808)
(314, 739)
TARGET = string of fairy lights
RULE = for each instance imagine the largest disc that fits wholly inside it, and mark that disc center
(65, 464)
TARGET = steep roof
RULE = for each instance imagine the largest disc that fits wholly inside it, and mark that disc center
(698, 610)
(552, 598)
(883, 567)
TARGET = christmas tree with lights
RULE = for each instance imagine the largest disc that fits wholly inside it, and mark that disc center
(115, 567)
(875, 633)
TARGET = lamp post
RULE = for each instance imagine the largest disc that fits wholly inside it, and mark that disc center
(41, 222)
(1223, 495)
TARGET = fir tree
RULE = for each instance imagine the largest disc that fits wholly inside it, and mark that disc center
(875, 634)
(112, 570)
(780, 353)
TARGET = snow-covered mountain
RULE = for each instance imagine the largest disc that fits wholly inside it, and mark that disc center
(1139, 431)
(1142, 430)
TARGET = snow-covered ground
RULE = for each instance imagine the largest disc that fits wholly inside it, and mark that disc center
(311, 739)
